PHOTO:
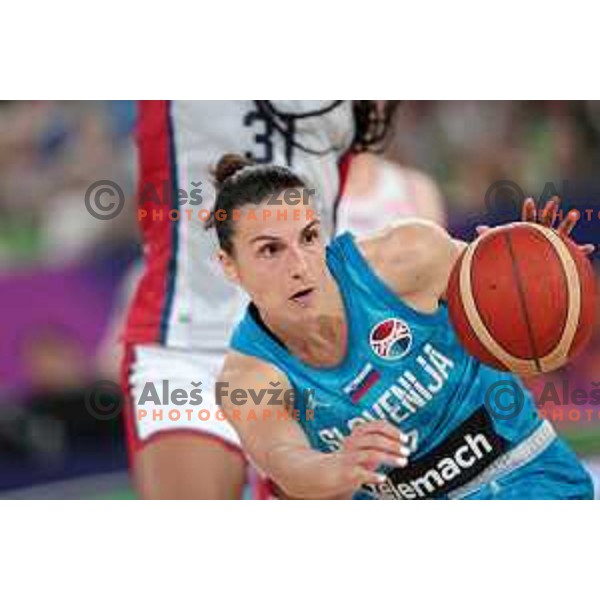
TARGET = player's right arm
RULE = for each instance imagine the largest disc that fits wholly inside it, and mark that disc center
(280, 449)
(415, 257)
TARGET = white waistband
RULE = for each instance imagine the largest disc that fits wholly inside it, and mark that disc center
(515, 458)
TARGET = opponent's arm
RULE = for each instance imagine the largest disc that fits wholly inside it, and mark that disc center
(280, 449)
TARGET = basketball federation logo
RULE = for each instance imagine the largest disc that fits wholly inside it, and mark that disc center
(391, 339)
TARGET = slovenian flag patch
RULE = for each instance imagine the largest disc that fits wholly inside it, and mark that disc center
(362, 383)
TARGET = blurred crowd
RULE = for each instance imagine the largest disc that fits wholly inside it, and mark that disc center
(50, 152)
(63, 273)
(466, 146)
(60, 275)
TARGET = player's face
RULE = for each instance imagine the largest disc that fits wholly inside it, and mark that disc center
(279, 257)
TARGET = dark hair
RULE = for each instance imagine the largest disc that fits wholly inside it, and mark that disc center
(240, 181)
(372, 123)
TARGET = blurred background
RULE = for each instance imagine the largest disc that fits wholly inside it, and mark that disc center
(65, 277)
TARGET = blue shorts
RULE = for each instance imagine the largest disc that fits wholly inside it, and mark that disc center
(556, 474)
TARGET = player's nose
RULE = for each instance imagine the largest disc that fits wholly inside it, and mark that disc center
(297, 265)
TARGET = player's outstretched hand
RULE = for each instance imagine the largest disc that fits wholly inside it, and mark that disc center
(367, 448)
(547, 217)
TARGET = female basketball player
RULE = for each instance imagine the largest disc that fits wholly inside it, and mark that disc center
(386, 403)
(183, 311)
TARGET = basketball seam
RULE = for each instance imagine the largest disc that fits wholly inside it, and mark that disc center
(522, 300)
(477, 324)
(574, 299)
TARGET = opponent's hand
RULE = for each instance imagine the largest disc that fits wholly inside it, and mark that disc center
(367, 448)
(547, 218)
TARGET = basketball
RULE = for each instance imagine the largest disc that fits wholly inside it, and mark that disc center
(522, 298)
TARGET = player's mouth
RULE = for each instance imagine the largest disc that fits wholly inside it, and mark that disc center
(303, 296)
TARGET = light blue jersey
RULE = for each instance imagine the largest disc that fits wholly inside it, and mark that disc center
(471, 427)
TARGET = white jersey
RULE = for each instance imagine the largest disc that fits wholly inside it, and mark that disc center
(183, 300)
(390, 198)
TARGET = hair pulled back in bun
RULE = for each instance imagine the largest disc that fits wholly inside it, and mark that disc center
(239, 181)
(229, 165)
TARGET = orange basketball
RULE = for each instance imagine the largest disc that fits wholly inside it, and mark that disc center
(522, 298)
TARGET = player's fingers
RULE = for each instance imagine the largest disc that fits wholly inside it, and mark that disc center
(376, 441)
(528, 210)
(382, 427)
(481, 229)
(550, 211)
(371, 459)
(587, 249)
(360, 476)
(567, 224)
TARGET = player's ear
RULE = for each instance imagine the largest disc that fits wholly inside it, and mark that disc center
(229, 267)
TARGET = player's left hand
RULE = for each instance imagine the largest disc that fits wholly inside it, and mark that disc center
(547, 217)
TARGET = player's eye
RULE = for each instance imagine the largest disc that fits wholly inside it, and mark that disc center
(268, 250)
(311, 236)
